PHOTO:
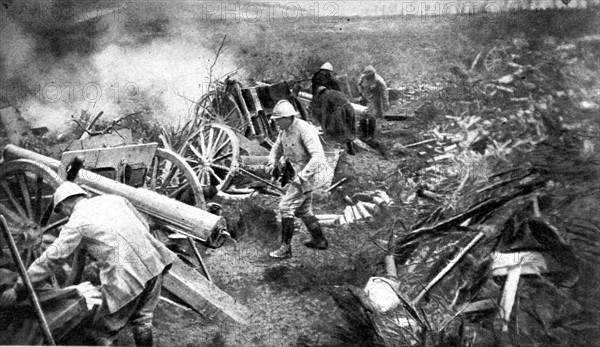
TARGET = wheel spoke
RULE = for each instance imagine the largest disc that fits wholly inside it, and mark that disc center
(47, 214)
(177, 191)
(196, 152)
(222, 146)
(226, 155)
(209, 143)
(54, 225)
(230, 113)
(216, 176)
(215, 142)
(9, 214)
(25, 194)
(220, 167)
(168, 178)
(39, 181)
(201, 139)
(12, 199)
(154, 174)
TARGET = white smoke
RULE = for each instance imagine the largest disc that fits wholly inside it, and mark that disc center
(148, 60)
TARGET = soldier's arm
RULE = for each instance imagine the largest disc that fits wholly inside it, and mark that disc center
(311, 141)
(276, 151)
(384, 93)
(44, 266)
(360, 84)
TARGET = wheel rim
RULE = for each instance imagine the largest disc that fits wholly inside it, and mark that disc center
(170, 175)
(220, 107)
(27, 188)
(213, 153)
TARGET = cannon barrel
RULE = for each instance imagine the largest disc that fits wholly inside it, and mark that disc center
(177, 216)
(358, 109)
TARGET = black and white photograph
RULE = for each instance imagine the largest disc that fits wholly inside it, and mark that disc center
(300, 173)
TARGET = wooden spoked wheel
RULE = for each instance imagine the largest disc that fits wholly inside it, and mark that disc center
(220, 107)
(496, 60)
(169, 174)
(213, 152)
(26, 202)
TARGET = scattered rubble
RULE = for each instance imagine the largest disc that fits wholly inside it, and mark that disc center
(505, 165)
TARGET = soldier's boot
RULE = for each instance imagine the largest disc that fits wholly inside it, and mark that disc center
(350, 147)
(318, 240)
(143, 337)
(287, 231)
(372, 127)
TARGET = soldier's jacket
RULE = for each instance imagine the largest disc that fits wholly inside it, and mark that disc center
(324, 78)
(334, 112)
(113, 233)
(374, 91)
(301, 146)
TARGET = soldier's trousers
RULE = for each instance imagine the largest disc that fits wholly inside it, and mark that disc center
(296, 203)
(139, 312)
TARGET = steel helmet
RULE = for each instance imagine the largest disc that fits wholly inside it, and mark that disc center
(65, 191)
(369, 70)
(283, 109)
(327, 66)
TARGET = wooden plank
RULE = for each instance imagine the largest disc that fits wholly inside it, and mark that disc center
(531, 263)
(67, 314)
(62, 317)
(508, 295)
(202, 295)
(477, 306)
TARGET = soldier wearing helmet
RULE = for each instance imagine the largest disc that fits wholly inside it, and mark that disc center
(325, 77)
(374, 92)
(131, 261)
(298, 143)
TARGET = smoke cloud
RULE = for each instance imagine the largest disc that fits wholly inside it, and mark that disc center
(59, 58)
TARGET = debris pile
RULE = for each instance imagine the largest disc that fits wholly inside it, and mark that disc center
(506, 249)
(362, 206)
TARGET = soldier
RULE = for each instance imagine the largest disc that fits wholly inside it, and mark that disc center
(324, 77)
(335, 113)
(131, 261)
(374, 92)
(298, 142)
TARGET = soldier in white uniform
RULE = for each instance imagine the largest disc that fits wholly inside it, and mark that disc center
(298, 143)
(132, 262)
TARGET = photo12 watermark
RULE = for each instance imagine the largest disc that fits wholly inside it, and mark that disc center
(71, 92)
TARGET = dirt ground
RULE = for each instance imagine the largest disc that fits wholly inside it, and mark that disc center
(292, 301)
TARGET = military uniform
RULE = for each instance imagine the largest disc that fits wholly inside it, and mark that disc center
(301, 146)
(298, 143)
(374, 93)
(336, 115)
(131, 262)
